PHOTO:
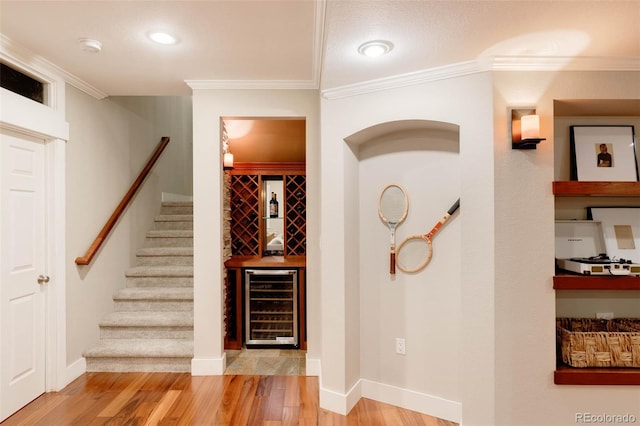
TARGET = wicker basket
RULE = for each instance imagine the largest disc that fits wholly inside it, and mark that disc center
(586, 342)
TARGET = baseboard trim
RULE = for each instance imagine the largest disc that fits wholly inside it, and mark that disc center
(388, 394)
(208, 366)
(337, 402)
(412, 400)
(73, 371)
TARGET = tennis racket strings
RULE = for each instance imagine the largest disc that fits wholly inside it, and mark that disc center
(393, 205)
(415, 252)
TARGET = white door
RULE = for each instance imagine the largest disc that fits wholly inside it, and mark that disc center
(22, 262)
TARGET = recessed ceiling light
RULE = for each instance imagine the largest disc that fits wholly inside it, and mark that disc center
(375, 48)
(90, 45)
(161, 37)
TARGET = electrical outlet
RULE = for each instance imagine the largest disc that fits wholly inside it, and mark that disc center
(604, 315)
(400, 346)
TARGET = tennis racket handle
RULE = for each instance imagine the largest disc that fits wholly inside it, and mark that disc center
(454, 207)
(392, 263)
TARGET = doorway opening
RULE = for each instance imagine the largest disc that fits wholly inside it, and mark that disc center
(265, 324)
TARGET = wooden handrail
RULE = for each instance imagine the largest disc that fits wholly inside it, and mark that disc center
(102, 236)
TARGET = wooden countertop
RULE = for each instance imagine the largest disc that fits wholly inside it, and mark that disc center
(266, 262)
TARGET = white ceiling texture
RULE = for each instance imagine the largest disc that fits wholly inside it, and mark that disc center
(313, 44)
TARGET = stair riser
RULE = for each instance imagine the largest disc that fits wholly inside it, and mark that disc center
(159, 282)
(176, 210)
(129, 341)
(142, 365)
(173, 226)
(164, 260)
(169, 242)
(147, 305)
(146, 332)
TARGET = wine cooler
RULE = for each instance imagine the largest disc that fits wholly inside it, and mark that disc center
(271, 314)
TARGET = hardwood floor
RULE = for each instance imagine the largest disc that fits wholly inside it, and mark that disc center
(181, 399)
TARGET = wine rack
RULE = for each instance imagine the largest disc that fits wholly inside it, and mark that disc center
(250, 317)
(271, 307)
(248, 228)
(296, 210)
(245, 219)
(233, 310)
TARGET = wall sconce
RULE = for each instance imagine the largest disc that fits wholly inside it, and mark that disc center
(227, 160)
(227, 156)
(525, 128)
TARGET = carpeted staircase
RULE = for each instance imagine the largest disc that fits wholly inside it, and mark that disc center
(151, 329)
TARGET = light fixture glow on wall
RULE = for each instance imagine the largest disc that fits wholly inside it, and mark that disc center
(162, 37)
(375, 48)
(525, 128)
(227, 156)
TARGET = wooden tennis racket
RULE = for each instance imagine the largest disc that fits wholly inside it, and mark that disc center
(393, 206)
(414, 252)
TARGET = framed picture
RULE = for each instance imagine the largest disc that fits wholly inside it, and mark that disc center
(603, 153)
(621, 229)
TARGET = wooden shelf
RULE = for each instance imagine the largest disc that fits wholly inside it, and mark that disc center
(565, 375)
(266, 262)
(609, 189)
(582, 282)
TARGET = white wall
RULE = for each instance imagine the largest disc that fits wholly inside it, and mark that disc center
(524, 299)
(208, 107)
(423, 307)
(148, 119)
(506, 354)
(110, 141)
(361, 358)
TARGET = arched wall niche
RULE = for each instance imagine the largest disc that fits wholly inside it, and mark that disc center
(423, 157)
(405, 135)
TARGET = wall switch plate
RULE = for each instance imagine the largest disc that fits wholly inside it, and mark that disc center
(604, 315)
(400, 346)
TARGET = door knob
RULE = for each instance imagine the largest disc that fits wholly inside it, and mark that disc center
(43, 279)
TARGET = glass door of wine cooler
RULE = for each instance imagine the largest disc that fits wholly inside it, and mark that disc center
(271, 314)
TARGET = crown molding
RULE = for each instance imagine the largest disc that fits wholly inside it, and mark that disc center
(483, 64)
(24, 58)
(80, 84)
(408, 79)
(559, 63)
(251, 84)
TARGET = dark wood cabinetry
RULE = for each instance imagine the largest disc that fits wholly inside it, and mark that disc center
(251, 239)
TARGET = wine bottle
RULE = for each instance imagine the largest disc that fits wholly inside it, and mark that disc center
(273, 206)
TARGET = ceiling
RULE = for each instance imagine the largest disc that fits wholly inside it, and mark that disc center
(310, 44)
(266, 140)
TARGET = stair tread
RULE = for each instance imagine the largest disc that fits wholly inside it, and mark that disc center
(170, 233)
(154, 293)
(165, 251)
(153, 340)
(151, 348)
(148, 319)
(174, 218)
(160, 271)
